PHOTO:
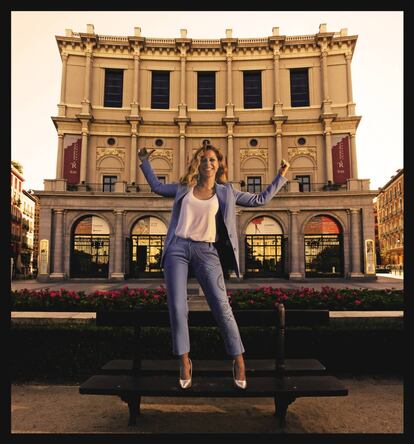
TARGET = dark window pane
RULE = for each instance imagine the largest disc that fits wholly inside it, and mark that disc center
(206, 90)
(299, 87)
(113, 87)
(160, 90)
(254, 184)
(304, 183)
(109, 183)
(252, 89)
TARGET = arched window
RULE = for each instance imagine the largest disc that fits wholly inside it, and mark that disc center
(323, 247)
(90, 248)
(264, 249)
(147, 241)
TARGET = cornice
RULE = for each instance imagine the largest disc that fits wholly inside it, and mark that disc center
(329, 40)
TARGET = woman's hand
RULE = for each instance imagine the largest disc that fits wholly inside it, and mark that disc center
(284, 166)
(144, 154)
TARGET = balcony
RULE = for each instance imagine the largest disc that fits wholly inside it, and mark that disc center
(61, 185)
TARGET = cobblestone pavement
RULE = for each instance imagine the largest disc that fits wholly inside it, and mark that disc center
(374, 405)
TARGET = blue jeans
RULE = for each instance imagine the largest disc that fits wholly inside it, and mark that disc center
(206, 264)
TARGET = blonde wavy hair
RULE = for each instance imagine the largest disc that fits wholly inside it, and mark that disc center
(192, 175)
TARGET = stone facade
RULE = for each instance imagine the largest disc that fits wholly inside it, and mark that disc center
(254, 141)
(389, 205)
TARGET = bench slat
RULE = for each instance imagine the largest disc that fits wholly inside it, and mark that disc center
(253, 366)
(297, 386)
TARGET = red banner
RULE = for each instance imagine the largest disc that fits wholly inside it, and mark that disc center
(340, 159)
(72, 158)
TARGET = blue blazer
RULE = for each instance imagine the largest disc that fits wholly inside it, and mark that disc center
(228, 198)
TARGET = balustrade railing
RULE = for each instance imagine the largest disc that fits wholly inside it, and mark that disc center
(145, 188)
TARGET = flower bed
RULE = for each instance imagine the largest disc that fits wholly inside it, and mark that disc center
(260, 298)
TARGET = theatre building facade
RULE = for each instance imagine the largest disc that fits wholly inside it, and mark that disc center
(259, 100)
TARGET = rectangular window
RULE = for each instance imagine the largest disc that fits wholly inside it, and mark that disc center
(206, 90)
(299, 87)
(304, 183)
(254, 184)
(114, 79)
(252, 89)
(109, 183)
(160, 90)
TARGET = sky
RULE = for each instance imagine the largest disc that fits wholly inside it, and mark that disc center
(377, 72)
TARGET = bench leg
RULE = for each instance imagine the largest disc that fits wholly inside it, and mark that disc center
(134, 407)
(281, 406)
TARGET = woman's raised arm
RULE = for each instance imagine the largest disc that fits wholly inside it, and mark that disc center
(163, 189)
(246, 199)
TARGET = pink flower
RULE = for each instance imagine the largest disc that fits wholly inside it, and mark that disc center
(357, 302)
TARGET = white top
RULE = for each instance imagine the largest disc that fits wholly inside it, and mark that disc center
(197, 219)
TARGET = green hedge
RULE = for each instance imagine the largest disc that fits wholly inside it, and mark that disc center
(262, 297)
(74, 351)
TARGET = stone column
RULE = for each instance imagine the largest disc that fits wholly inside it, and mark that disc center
(294, 246)
(326, 107)
(135, 101)
(351, 104)
(183, 154)
(84, 156)
(229, 81)
(62, 106)
(182, 106)
(182, 80)
(354, 162)
(118, 273)
(87, 82)
(58, 245)
(355, 244)
(324, 61)
(59, 161)
(133, 165)
(277, 106)
(229, 99)
(328, 155)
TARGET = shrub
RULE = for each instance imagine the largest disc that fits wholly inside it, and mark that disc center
(260, 298)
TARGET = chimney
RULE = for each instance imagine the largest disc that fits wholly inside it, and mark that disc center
(90, 29)
(322, 27)
(229, 33)
(183, 33)
(137, 31)
(68, 33)
(344, 32)
(275, 30)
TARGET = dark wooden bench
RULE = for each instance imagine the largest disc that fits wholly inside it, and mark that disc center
(282, 379)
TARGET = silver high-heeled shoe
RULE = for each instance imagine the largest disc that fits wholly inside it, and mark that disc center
(186, 383)
(238, 382)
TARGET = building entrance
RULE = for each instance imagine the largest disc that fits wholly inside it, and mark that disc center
(147, 241)
(90, 249)
(264, 248)
(323, 248)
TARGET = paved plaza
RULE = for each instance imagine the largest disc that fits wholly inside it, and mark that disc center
(374, 404)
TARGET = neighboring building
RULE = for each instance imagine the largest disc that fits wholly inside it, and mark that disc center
(28, 232)
(259, 100)
(36, 232)
(390, 210)
(16, 181)
(377, 246)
